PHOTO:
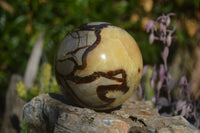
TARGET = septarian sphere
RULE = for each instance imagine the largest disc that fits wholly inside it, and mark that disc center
(98, 65)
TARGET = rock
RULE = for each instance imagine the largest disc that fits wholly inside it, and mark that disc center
(53, 113)
(13, 109)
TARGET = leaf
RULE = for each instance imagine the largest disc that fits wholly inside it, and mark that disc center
(180, 105)
(6, 6)
(191, 26)
(163, 101)
(147, 5)
(171, 84)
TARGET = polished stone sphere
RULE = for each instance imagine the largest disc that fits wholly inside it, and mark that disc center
(98, 65)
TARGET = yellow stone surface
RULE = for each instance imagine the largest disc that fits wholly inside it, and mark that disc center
(115, 52)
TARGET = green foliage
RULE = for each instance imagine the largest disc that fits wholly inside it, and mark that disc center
(22, 20)
(21, 89)
(54, 86)
(24, 127)
(46, 83)
(32, 92)
(149, 93)
(44, 77)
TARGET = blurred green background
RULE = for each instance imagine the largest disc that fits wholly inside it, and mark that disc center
(21, 21)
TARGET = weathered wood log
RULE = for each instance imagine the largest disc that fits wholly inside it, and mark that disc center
(13, 109)
(14, 104)
(33, 62)
(53, 113)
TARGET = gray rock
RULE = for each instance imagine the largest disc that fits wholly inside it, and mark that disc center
(53, 114)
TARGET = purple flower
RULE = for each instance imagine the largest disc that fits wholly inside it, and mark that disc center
(183, 81)
(160, 84)
(163, 28)
(169, 36)
(153, 77)
(186, 110)
(168, 21)
(161, 77)
(184, 87)
(164, 55)
(171, 14)
(151, 25)
(169, 40)
(151, 38)
(184, 107)
(161, 71)
(170, 82)
(145, 68)
(180, 105)
(163, 21)
(163, 81)
(152, 83)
